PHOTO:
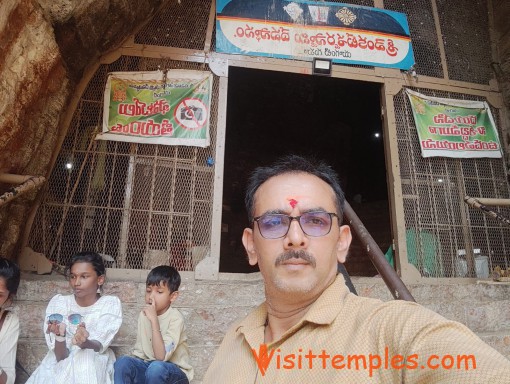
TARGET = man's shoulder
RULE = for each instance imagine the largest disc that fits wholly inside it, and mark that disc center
(368, 305)
(254, 319)
(393, 316)
(373, 302)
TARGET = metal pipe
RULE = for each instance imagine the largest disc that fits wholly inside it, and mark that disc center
(487, 201)
(388, 274)
(10, 178)
(29, 184)
(476, 203)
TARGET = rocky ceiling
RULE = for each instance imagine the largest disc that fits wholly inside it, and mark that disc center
(45, 46)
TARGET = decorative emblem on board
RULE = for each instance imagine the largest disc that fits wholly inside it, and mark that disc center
(345, 16)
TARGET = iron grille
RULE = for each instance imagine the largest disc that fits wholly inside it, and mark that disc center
(468, 59)
(423, 35)
(181, 24)
(139, 205)
(438, 222)
(213, 39)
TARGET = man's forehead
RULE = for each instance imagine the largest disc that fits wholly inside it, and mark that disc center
(294, 178)
(295, 189)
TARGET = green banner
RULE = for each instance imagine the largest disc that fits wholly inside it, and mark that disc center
(171, 107)
(454, 128)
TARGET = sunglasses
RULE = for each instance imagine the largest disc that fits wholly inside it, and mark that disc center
(57, 318)
(276, 225)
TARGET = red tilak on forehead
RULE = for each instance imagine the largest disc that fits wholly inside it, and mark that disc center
(293, 203)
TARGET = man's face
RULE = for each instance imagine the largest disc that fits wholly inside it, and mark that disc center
(294, 194)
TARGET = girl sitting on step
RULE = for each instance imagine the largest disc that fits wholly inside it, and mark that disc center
(80, 327)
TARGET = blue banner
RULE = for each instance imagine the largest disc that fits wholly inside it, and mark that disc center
(303, 30)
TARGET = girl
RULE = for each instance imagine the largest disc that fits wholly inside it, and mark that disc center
(9, 322)
(80, 327)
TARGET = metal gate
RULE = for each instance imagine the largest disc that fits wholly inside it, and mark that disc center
(139, 205)
(440, 227)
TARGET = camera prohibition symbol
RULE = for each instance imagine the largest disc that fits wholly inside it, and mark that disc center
(191, 113)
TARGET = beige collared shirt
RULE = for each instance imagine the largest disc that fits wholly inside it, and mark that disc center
(345, 338)
(173, 330)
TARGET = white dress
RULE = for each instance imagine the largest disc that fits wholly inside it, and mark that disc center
(82, 366)
(8, 342)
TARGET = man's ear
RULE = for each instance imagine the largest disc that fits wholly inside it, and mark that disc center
(344, 241)
(249, 246)
(173, 296)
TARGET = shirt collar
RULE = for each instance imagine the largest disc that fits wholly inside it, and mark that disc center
(324, 311)
(329, 304)
(166, 314)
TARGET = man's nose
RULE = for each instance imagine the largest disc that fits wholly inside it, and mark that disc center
(295, 236)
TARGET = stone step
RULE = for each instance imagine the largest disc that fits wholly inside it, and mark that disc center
(500, 341)
(211, 307)
(32, 351)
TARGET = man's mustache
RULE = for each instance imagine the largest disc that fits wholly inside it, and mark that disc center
(292, 254)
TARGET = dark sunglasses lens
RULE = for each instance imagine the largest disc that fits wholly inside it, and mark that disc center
(316, 223)
(55, 318)
(74, 319)
(273, 226)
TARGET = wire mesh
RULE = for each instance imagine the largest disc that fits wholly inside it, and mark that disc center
(144, 205)
(438, 222)
(213, 39)
(139, 205)
(423, 35)
(465, 30)
(181, 24)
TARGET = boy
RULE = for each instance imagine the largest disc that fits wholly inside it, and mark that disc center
(161, 352)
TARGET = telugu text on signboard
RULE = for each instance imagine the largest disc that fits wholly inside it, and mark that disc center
(454, 128)
(303, 30)
(170, 107)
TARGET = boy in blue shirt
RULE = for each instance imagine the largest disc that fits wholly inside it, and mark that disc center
(161, 352)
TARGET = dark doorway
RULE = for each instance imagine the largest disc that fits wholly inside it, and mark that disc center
(270, 114)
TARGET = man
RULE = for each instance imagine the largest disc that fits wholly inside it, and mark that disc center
(311, 329)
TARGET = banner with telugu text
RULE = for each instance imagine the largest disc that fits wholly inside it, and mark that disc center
(170, 108)
(302, 30)
(454, 128)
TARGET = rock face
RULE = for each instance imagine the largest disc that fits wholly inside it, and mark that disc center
(44, 48)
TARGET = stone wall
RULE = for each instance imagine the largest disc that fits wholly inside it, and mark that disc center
(210, 307)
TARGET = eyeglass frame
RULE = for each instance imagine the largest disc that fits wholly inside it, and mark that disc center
(297, 218)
